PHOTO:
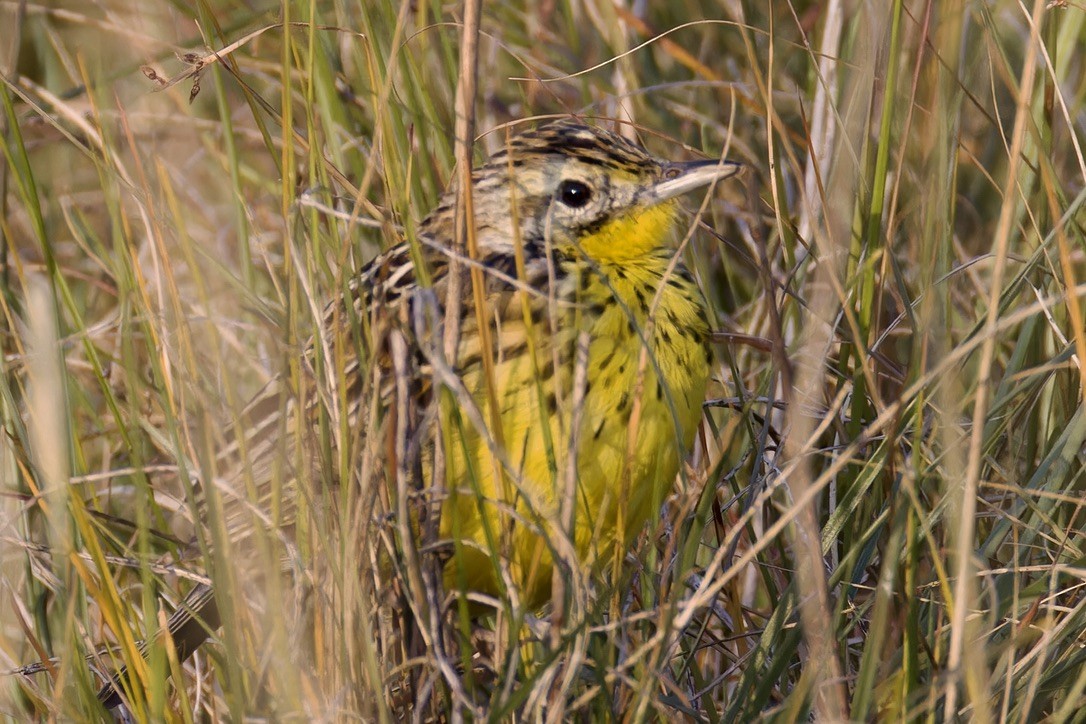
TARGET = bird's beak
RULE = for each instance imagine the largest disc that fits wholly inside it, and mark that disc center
(678, 178)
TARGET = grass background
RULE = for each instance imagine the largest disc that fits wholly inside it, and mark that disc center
(884, 514)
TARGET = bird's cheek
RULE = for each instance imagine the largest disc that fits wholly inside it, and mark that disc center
(631, 235)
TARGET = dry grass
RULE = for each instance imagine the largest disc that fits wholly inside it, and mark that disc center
(884, 515)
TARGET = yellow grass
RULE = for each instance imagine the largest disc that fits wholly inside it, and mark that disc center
(883, 516)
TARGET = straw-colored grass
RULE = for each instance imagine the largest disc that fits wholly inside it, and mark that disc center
(884, 514)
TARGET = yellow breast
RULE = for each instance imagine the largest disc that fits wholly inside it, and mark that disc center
(642, 386)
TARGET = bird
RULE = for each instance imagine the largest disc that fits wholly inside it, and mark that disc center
(578, 363)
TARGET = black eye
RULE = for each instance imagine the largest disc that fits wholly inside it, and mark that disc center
(574, 194)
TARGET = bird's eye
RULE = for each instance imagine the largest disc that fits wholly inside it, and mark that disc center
(574, 194)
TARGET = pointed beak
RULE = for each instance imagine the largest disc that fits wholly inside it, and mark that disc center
(678, 178)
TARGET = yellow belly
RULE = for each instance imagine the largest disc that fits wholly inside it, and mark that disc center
(638, 419)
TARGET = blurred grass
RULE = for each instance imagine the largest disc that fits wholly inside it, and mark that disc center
(884, 516)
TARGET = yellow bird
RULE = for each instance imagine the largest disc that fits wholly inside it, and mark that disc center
(578, 381)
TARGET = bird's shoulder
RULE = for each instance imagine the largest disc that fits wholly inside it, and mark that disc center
(392, 278)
